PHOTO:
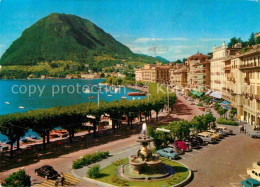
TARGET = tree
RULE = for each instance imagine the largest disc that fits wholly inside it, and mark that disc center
(251, 40)
(18, 179)
(257, 41)
(234, 41)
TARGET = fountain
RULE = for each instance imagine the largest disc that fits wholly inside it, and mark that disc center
(145, 165)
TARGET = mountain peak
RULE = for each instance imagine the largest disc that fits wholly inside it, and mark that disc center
(61, 36)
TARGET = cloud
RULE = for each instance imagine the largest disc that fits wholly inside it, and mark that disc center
(141, 40)
(0, 44)
(213, 39)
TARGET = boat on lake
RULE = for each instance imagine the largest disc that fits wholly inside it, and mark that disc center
(136, 94)
(87, 91)
(21, 107)
(7, 103)
(91, 97)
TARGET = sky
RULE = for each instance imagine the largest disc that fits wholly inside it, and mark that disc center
(173, 29)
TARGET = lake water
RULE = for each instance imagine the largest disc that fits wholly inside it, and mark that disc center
(24, 95)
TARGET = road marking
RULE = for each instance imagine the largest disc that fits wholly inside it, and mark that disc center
(183, 157)
(242, 177)
(204, 148)
(195, 150)
(188, 154)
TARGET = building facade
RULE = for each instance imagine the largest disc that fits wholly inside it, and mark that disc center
(242, 85)
(178, 76)
(198, 72)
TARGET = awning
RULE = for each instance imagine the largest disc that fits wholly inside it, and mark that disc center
(216, 95)
(196, 93)
(225, 102)
(208, 92)
(227, 107)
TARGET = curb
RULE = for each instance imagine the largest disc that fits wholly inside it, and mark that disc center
(187, 180)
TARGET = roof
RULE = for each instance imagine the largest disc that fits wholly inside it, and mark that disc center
(198, 56)
(216, 95)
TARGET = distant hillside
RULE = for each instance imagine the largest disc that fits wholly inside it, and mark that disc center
(64, 37)
(162, 59)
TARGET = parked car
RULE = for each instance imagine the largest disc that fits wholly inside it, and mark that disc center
(182, 145)
(168, 153)
(213, 135)
(256, 165)
(250, 183)
(254, 173)
(176, 149)
(225, 129)
(47, 172)
(221, 134)
(206, 138)
(202, 143)
(207, 111)
(254, 134)
(192, 103)
(194, 143)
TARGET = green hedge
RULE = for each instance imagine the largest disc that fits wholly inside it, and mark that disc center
(89, 159)
(94, 172)
(226, 122)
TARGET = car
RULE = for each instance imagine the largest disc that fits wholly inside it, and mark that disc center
(216, 132)
(194, 143)
(224, 133)
(250, 183)
(254, 134)
(47, 172)
(206, 138)
(182, 145)
(254, 173)
(190, 99)
(256, 165)
(202, 143)
(168, 153)
(192, 103)
(225, 129)
(213, 135)
(176, 149)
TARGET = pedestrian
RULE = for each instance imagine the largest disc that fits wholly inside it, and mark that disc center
(62, 179)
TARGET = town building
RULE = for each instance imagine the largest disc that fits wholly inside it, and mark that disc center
(242, 87)
(178, 77)
(154, 73)
(217, 65)
(198, 72)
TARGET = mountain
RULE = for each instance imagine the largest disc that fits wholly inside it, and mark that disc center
(63, 37)
(162, 59)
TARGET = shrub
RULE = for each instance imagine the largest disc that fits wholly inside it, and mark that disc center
(226, 122)
(89, 159)
(200, 104)
(119, 181)
(94, 172)
(118, 162)
(18, 179)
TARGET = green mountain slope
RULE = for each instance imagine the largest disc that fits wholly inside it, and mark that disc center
(63, 37)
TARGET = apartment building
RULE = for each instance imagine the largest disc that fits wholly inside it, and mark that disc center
(154, 73)
(178, 76)
(217, 65)
(242, 85)
(198, 72)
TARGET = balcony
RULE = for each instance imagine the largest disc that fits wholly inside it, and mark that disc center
(249, 66)
(257, 98)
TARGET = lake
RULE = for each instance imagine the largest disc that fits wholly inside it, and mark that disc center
(24, 95)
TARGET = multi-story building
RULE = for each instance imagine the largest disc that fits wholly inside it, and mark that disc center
(198, 72)
(154, 73)
(217, 65)
(242, 87)
(138, 75)
(178, 76)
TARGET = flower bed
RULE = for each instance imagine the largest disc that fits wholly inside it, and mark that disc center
(224, 121)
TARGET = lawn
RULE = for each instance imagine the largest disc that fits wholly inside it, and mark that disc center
(109, 175)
